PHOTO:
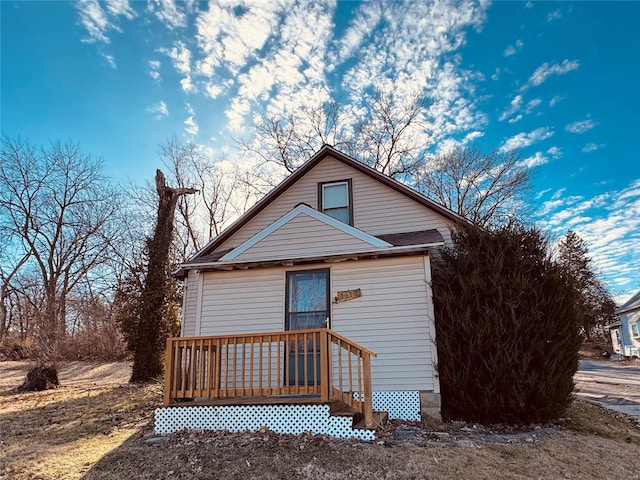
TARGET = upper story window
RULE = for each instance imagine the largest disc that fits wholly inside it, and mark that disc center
(635, 329)
(335, 199)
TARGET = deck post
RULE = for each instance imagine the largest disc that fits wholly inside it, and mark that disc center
(368, 391)
(325, 388)
(168, 373)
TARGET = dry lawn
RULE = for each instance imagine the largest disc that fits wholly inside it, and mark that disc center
(96, 427)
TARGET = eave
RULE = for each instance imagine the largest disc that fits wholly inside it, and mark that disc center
(289, 262)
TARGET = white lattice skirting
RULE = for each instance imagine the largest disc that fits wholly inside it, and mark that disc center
(400, 405)
(294, 419)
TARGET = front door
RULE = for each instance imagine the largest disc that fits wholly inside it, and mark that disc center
(307, 306)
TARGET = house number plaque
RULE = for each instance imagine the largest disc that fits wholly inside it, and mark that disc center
(347, 295)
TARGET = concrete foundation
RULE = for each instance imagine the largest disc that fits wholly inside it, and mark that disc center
(430, 405)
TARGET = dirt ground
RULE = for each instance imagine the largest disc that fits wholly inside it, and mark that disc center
(95, 426)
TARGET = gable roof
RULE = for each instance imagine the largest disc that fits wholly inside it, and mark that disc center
(324, 152)
(632, 304)
(369, 246)
(303, 209)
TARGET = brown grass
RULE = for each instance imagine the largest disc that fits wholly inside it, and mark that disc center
(94, 428)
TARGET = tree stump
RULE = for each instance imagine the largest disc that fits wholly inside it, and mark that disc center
(38, 379)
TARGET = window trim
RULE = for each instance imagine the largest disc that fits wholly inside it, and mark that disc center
(349, 197)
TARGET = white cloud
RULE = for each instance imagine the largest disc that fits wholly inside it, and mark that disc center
(169, 13)
(592, 147)
(95, 20)
(160, 110)
(517, 105)
(359, 30)
(555, 15)
(555, 152)
(154, 69)
(513, 49)
(98, 21)
(581, 126)
(610, 224)
(191, 127)
(523, 139)
(181, 57)
(514, 106)
(555, 100)
(537, 159)
(120, 7)
(110, 60)
(544, 71)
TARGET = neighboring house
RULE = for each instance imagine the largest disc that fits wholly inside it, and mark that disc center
(625, 333)
(315, 304)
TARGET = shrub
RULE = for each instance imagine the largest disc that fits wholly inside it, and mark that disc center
(507, 327)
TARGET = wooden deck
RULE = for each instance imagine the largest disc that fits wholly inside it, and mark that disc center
(293, 367)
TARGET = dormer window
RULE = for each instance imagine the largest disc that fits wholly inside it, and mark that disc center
(335, 199)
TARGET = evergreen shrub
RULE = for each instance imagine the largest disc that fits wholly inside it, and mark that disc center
(507, 327)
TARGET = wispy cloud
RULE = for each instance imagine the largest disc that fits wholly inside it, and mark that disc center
(555, 100)
(581, 126)
(513, 49)
(169, 13)
(154, 69)
(544, 71)
(181, 57)
(525, 139)
(592, 147)
(540, 158)
(191, 127)
(159, 110)
(609, 223)
(555, 15)
(518, 107)
(99, 21)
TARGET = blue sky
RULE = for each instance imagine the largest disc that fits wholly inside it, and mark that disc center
(557, 80)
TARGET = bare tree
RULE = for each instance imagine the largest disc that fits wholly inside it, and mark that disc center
(487, 189)
(391, 137)
(201, 217)
(147, 339)
(386, 132)
(56, 207)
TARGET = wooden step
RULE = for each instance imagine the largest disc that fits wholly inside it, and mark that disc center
(379, 418)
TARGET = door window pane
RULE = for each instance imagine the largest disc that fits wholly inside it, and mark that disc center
(307, 302)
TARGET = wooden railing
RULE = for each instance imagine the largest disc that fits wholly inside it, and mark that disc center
(316, 362)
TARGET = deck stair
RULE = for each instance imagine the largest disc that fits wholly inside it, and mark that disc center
(340, 409)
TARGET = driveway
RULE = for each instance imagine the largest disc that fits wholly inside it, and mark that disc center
(614, 385)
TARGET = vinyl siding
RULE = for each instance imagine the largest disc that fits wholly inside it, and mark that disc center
(190, 305)
(391, 318)
(377, 208)
(303, 236)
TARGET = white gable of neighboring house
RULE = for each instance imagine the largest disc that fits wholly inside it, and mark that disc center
(625, 334)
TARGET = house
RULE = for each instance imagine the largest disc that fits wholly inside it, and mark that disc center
(313, 311)
(625, 333)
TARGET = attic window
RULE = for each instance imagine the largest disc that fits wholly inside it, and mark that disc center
(635, 329)
(335, 200)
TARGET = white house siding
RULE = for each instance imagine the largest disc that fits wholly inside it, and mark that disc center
(630, 344)
(301, 237)
(190, 304)
(377, 208)
(391, 318)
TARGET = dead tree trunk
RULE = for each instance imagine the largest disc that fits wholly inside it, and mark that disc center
(149, 343)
